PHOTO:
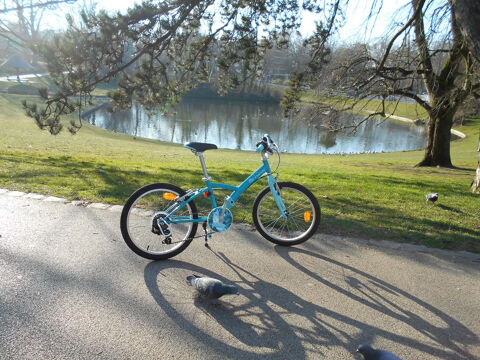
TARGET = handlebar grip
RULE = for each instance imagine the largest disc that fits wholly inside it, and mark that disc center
(265, 144)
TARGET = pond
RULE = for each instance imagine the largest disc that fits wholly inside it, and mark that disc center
(239, 125)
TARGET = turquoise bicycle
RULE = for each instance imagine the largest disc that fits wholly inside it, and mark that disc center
(160, 220)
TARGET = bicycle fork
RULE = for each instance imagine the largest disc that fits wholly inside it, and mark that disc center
(275, 189)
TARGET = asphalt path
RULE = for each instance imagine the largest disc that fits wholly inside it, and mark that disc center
(71, 289)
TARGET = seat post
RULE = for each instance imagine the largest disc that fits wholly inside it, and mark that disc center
(204, 167)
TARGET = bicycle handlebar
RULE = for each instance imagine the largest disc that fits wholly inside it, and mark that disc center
(266, 144)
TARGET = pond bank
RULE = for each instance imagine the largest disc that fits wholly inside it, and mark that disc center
(411, 121)
(391, 116)
(238, 125)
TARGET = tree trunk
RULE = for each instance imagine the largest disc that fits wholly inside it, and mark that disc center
(437, 151)
(476, 179)
(468, 12)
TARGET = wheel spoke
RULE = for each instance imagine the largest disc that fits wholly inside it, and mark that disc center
(144, 216)
(298, 211)
(275, 222)
(294, 227)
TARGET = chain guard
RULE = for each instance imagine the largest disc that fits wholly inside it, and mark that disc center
(217, 223)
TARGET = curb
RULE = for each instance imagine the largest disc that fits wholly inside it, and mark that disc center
(87, 204)
(384, 244)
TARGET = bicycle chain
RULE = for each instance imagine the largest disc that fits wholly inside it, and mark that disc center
(195, 237)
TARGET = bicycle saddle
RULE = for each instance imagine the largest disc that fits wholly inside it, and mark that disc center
(200, 147)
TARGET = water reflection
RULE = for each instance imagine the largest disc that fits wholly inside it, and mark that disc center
(239, 125)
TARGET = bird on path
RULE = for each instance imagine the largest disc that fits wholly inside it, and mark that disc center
(370, 353)
(210, 288)
(431, 197)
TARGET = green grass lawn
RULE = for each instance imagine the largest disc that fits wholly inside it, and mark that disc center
(375, 196)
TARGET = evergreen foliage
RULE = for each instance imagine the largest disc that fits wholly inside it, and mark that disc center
(160, 50)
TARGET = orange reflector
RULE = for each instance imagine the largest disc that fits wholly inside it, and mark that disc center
(307, 216)
(206, 194)
(169, 196)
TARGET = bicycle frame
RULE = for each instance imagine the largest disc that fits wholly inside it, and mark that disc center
(231, 199)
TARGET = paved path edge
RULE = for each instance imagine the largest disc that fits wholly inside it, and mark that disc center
(385, 244)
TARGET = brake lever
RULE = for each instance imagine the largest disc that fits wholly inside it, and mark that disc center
(266, 146)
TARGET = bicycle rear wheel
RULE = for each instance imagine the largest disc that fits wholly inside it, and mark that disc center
(301, 222)
(145, 210)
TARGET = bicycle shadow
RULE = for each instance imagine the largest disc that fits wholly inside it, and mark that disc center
(258, 331)
(271, 322)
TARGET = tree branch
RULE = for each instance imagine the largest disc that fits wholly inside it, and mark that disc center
(44, 4)
(412, 96)
(422, 45)
(405, 72)
(142, 52)
(413, 18)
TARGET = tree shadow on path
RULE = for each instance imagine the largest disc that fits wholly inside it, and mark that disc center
(271, 322)
(388, 302)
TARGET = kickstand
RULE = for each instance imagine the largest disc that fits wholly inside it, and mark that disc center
(207, 235)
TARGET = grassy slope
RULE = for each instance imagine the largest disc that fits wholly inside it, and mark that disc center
(378, 196)
(408, 110)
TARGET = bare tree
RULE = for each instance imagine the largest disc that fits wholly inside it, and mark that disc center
(25, 30)
(414, 57)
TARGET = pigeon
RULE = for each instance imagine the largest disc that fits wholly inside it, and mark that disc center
(210, 288)
(432, 197)
(370, 353)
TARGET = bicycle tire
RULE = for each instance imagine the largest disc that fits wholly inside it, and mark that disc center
(303, 217)
(142, 210)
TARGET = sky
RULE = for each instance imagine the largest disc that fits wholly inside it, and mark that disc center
(355, 29)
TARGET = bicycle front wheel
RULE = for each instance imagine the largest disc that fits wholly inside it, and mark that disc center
(146, 226)
(301, 222)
